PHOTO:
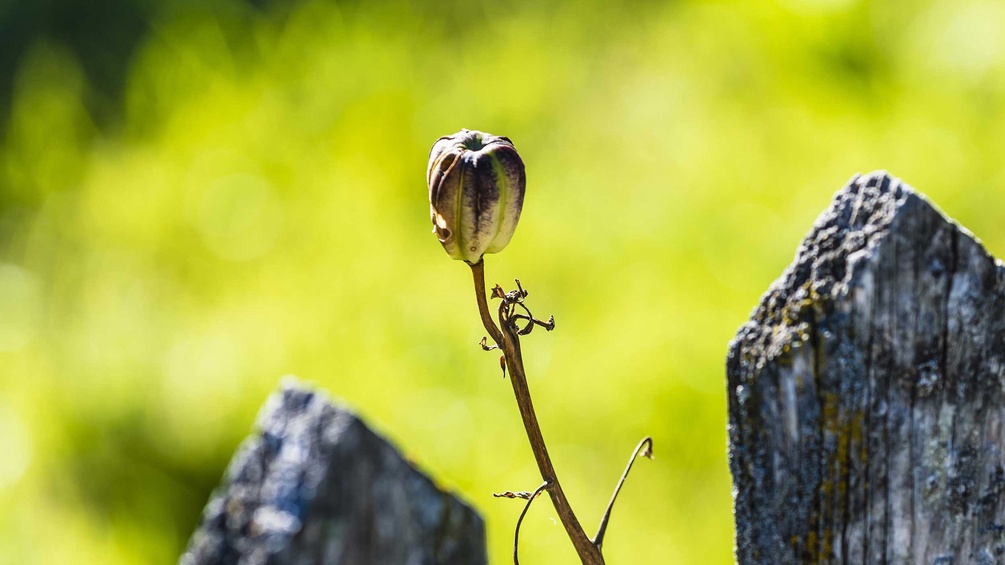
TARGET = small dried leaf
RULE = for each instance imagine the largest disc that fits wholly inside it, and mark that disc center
(647, 452)
(519, 494)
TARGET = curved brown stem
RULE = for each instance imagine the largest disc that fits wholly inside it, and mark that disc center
(516, 534)
(506, 337)
(598, 540)
(478, 272)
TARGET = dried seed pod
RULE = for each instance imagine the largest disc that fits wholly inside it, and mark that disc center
(476, 188)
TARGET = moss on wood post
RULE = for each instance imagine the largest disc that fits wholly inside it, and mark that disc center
(866, 404)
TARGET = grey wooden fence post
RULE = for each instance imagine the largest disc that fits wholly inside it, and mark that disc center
(866, 413)
(315, 485)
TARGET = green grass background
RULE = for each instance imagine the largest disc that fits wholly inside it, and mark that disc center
(244, 198)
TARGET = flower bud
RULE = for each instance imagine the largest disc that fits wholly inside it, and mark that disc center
(476, 187)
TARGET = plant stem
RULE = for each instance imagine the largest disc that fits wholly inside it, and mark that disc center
(478, 270)
(516, 533)
(507, 339)
(647, 443)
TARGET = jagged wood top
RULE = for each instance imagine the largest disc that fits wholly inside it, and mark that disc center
(865, 392)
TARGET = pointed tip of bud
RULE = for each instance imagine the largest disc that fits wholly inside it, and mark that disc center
(476, 189)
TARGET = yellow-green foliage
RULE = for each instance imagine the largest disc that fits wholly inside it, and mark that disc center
(258, 207)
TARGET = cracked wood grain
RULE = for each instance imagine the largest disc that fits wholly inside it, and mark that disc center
(866, 414)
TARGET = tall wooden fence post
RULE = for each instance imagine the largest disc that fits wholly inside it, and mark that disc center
(866, 405)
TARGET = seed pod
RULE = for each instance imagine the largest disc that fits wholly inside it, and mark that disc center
(476, 187)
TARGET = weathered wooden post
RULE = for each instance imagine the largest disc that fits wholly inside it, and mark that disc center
(866, 405)
(315, 485)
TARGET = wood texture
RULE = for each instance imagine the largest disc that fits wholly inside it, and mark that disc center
(866, 414)
(315, 485)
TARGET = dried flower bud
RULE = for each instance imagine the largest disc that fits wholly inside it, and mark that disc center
(476, 187)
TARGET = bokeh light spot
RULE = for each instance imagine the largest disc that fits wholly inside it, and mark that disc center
(16, 444)
(21, 304)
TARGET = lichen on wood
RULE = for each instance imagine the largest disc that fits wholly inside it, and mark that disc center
(315, 485)
(866, 414)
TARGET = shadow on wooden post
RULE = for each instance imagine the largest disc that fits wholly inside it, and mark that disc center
(866, 406)
(316, 485)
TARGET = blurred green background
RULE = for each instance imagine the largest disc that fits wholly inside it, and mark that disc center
(197, 198)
